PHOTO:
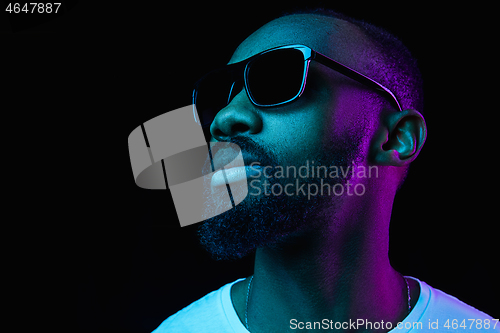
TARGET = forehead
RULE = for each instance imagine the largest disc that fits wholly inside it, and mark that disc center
(335, 38)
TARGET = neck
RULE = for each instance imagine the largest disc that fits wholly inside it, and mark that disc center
(330, 272)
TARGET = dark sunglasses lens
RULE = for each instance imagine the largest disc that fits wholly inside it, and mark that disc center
(212, 93)
(276, 77)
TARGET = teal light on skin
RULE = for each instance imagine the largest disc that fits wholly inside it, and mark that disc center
(332, 263)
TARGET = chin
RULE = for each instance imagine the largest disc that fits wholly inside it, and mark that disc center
(257, 221)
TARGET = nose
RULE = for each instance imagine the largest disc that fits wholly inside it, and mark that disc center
(240, 116)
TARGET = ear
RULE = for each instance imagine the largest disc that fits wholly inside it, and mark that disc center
(399, 138)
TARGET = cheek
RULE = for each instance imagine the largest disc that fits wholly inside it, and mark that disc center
(354, 119)
(318, 124)
(300, 136)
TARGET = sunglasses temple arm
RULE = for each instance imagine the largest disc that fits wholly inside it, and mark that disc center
(324, 60)
(195, 112)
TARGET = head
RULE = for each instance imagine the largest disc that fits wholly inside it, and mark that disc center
(337, 125)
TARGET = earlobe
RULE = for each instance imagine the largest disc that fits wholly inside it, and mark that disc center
(400, 139)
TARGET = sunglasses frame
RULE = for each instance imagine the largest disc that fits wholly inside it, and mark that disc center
(309, 54)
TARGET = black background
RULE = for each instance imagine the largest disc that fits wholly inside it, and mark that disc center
(79, 83)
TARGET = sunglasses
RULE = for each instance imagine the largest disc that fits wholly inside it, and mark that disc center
(273, 77)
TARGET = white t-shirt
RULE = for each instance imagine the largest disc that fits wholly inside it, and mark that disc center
(434, 312)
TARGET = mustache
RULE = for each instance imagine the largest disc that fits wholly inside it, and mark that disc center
(251, 148)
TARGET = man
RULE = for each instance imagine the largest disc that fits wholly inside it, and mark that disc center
(316, 216)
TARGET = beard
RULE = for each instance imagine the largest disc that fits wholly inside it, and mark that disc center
(269, 220)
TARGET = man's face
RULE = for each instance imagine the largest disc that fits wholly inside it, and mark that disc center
(329, 125)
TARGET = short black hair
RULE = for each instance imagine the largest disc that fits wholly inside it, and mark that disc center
(396, 70)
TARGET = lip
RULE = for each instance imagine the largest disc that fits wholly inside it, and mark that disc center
(227, 157)
(234, 174)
